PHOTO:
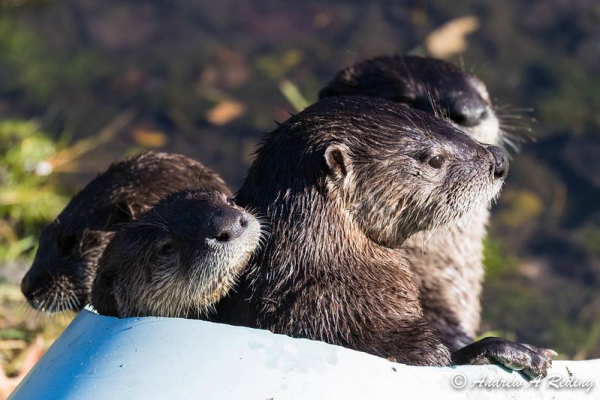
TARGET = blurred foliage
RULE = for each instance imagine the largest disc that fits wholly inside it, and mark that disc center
(19, 327)
(33, 68)
(28, 199)
(497, 262)
(523, 207)
(206, 78)
(589, 236)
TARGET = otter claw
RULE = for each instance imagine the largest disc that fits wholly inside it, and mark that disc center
(532, 361)
(547, 352)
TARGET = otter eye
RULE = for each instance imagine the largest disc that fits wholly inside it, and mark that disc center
(166, 249)
(230, 202)
(436, 162)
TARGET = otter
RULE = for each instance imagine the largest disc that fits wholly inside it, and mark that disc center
(64, 267)
(345, 182)
(448, 264)
(429, 85)
(177, 259)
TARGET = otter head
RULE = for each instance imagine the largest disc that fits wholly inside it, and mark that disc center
(178, 259)
(397, 171)
(69, 249)
(429, 85)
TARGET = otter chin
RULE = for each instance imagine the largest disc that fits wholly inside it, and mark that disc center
(178, 259)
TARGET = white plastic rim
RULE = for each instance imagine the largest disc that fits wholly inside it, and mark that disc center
(100, 357)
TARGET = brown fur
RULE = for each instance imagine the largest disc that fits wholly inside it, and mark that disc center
(177, 259)
(67, 258)
(345, 182)
(447, 263)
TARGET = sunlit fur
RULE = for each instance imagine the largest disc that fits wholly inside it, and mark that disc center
(448, 261)
(135, 279)
(412, 196)
(340, 182)
(70, 247)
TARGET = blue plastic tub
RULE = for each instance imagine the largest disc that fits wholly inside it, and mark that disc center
(104, 358)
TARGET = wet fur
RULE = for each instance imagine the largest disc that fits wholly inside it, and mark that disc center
(134, 279)
(425, 84)
(448, 263)
(345, 182)
(66, 261)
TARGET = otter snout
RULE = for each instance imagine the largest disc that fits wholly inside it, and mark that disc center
(27, 287)
(467, 110)
(500, 162)
(227, 225)
(53, 293)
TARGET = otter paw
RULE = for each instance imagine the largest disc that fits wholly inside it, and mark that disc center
(532, 361)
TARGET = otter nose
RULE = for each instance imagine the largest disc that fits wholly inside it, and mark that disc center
(228, 225)
(500, 161)
(467, 110)
(26, 285)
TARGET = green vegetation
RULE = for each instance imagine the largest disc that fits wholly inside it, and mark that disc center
(497, 263)
(28, 197)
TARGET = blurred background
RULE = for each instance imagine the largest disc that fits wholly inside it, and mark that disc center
(85, 82)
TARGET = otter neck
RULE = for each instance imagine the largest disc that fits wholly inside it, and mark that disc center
(449, 270)
(319, 276)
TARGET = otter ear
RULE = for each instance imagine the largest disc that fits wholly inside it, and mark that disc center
(327, 92)
(338, 160)
(121, 212)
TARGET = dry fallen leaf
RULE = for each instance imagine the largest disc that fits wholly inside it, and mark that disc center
(451, 38)
(149, 138)
(225, 112)
(32, 356)
(12, 344)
